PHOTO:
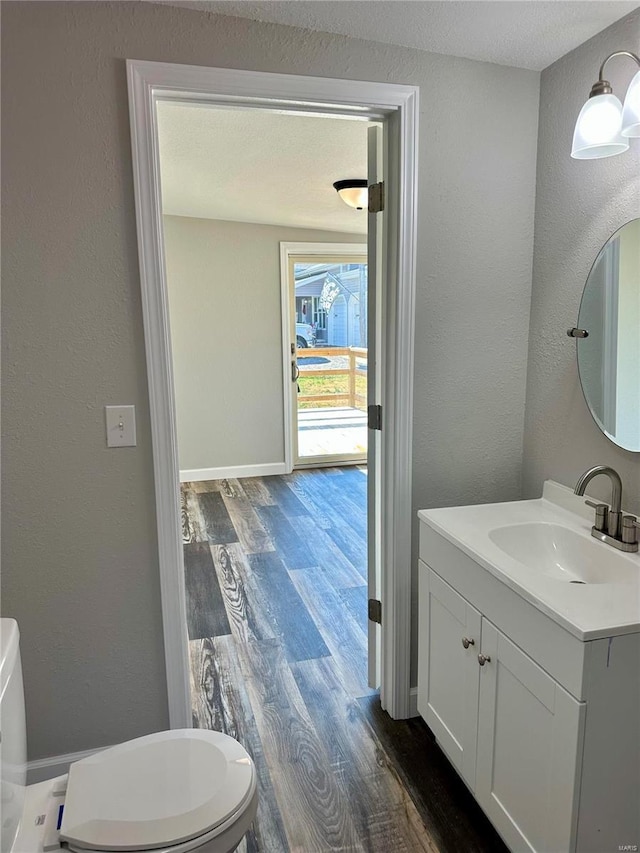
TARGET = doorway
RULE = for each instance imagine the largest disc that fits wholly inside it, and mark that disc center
(327, 289)
(149, 83)
(223, 295)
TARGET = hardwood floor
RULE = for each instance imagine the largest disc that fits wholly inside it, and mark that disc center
(275, 572)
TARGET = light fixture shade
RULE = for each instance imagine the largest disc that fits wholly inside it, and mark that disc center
(597, 132)
(631, 109)
(354, 192)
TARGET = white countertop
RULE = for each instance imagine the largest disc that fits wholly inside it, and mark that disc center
(588, 611)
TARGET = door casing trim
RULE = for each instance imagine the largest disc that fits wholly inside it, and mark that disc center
(371, 101)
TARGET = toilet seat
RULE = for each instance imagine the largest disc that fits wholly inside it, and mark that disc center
(172, 791)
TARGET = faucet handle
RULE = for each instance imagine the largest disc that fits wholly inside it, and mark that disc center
(629, 524)
(602, 511)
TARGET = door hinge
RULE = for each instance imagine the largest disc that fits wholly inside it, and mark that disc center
(375, 611)
(376, 197)
(374, 417)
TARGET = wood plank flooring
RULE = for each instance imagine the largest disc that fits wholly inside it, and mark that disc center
(275, 574)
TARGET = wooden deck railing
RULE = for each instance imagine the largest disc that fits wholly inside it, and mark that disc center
(352, 397)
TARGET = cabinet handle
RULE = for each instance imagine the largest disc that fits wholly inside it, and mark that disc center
(482, 659)
(466, 642)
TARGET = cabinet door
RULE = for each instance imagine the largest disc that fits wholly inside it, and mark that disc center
(449, 674)
(530, 734)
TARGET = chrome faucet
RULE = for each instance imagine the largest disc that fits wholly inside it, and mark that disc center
(610, 525)
(613, 515)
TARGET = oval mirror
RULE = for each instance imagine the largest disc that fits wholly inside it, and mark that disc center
(609, 357)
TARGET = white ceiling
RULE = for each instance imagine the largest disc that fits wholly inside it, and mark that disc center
(265, 167)
(521, 33)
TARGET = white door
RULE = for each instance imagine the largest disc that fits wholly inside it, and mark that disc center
(375, 271)
(449, 675)
(530, 733)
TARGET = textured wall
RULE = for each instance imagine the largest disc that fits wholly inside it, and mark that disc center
(226, 332)
(579, 204)
(80, 560)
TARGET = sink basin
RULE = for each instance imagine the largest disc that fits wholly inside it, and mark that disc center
(543, 550)
(560, 553)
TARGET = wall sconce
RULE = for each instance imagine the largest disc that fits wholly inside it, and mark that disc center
(354, 192)
(604, 126)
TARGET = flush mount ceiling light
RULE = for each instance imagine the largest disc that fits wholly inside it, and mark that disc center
(604, 126)
(353, 191)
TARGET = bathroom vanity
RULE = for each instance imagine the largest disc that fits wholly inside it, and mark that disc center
(529, 669)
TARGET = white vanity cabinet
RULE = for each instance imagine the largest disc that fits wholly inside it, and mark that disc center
(544, 728)
(529, 748)
(449, 672)
(512, 732)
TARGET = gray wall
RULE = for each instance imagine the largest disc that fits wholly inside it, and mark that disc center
(579, 204)
(80, 569)
(223, 280)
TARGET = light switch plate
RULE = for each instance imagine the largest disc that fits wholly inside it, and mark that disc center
(121, 426)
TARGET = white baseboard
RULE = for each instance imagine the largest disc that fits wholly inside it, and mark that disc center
(55, 765)
(233, 472)
(413, 702)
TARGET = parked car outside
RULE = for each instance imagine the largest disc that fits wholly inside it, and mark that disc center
(305, 335)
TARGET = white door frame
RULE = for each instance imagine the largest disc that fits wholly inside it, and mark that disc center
(149, 82)
(288, 250)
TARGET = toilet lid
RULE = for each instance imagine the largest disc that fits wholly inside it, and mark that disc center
(155, 791)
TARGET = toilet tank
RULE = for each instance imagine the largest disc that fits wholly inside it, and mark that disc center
(13, 745)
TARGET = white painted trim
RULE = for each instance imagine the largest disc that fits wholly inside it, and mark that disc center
(397, 432)
(150, 81)
(287, 250)
(294, 93)
(42, 769)
(155, 310)
(287, 397)
(323, 249)
(233, 472)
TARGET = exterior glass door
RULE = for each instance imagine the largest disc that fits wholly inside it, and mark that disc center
(330, 392)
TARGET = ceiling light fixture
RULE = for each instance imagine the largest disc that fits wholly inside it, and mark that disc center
(354, 192)
(604, 126)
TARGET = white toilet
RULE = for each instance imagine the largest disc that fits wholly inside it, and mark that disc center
(170, 792)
